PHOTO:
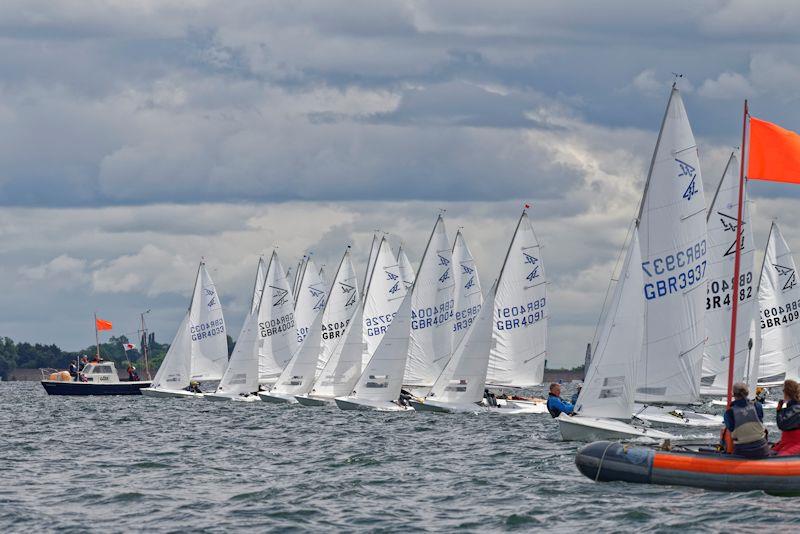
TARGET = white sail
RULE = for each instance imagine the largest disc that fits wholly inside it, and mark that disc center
(298, 375)
(467, 293)
(207, 330)
(431, 311)
(342, 303)
(464, 377)
(174, 371)
(371, 259)
(276, 323)
(382, 377)
(385, 293)
(344, 365)
(241, 375)
(520, 313)
(258, 286)
(608, 390)
(310, 298)
(722, 214)
(779, 303)
(672, 235)
(406, 269)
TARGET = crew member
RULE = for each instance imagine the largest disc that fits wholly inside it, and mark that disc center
(133, 376)
(555, 404)
(84, 361)
(788, 419)
(73, 371)
(194, 387)
(743, 421)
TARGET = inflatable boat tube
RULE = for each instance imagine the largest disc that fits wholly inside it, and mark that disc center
(607, 461)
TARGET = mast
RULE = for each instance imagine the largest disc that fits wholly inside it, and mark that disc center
(96, 337)
(145, 347)
(738, 256)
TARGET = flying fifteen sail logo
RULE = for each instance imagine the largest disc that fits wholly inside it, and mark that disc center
(691, 172)
(213, 300)
(729, 225)
(279, 296)
(788, 273)
(319, 296)
(530, 260)
(347, 289)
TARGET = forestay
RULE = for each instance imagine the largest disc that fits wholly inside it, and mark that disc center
(385, 293)
(464, 377)
(722, 216)
(608, 390)
(207, 330)
(520, 313)
(779, 302)
(672, 234)
(310, 298)
(431, 311)
(276, 323)
(467, 296)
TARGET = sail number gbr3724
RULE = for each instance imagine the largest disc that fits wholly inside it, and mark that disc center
(676, 272)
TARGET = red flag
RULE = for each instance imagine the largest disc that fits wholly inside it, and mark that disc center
(128, 346)
(102, 324)
(774, 153)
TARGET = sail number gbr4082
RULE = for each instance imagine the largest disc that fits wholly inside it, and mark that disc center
(676, 272)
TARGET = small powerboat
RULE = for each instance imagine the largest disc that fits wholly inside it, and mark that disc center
(97, 378)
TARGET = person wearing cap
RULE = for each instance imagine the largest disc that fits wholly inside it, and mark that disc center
(746, 435)
(555, 404)
(574, 399)
(194, 387)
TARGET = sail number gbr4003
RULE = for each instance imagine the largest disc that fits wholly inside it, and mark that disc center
(678, 271)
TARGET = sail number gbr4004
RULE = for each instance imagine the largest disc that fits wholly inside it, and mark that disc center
(680, 271)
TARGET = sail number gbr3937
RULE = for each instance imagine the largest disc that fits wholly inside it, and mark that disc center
(675, 272)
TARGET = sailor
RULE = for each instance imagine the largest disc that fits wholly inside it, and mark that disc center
(194, 387)
(574, 399)
(491, 398)
(555, 404)
(761, 394)
(788, 419)
(133, 376)
(745, 429)
(84, 361)
(405, 398)
(73, 370)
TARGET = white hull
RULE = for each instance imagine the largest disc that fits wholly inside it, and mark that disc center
(277, 398)
(446, 407)
(580, 428)
(353, 403)
(724, 403)
(306, 400)
(219, 397)
(524, 406)
(672, 416)
(170, 393)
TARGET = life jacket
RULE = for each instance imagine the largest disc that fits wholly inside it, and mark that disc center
(789, 417)
(554, 411)
(748, 428)
(789, 445)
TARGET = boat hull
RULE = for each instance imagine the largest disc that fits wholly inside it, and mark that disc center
(170, 393)
(355, 404)
(55, 387)
(607, 461)
(581, 428)
(217, 397)
(445, 407)
(305, 400)
(277, 398)
(669, 416)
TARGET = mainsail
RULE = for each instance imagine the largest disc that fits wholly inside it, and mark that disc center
(467, 293)
(779, 302)
(406, 269)
(310, 298)
(384, 294)
(721, 220)
(276, 323)
(608, 390)
(463, 379)
(672, 234)
(431, 311)
(520, 313)
(207, 330)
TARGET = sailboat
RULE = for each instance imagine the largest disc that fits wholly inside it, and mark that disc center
(519, 347)
(326, 333)
(432, 311)
(674, 247)
(721, 221)
(605, 402)
(779, 302)
(199, 351)
(467, 293)
(240, 380)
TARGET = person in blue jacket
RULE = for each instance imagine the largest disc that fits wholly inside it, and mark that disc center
(555, 404)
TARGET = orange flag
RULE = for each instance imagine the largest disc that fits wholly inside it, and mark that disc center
(774, 153)
(102, 324)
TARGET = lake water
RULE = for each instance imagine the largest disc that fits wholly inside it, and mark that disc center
(115, 464)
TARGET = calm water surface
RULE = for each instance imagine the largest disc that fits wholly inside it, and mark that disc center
(115, 464)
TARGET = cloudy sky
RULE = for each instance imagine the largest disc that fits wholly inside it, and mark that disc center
(136, 137)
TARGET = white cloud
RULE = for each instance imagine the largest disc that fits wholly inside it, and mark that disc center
(728, 85)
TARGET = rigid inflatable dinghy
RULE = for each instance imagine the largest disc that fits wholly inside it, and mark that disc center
(607, 461)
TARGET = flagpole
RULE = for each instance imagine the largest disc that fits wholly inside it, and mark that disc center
(738, 255)
(96, 336)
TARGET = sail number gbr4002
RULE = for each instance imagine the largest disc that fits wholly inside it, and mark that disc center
(679, 271)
